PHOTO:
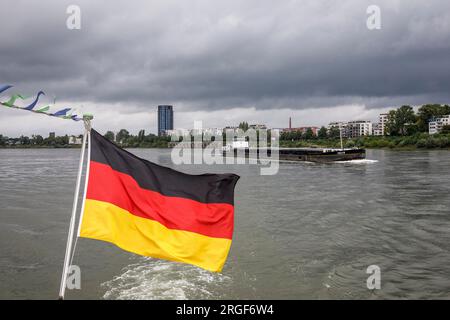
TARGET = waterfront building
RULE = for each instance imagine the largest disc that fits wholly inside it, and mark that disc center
(258, 126)
(359, 128)
(377, 130)
(213, 131)
(179, 132)
(239, 143)
(74, 140)
(382, 121)
(187, 132)
(337, 124)
(165, 119)
(231, 128)
(436, 124)
(315, 130)
(341, 125)
(302, 129)
(353, 129)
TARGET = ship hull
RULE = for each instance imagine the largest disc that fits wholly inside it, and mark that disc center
(322, 156)
(303, 154)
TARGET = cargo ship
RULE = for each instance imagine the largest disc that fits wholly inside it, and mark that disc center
(240, 147)
(323, 155)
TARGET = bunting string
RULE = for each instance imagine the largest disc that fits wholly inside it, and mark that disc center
(66, 113)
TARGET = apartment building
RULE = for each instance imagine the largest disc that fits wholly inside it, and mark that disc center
(435, 125)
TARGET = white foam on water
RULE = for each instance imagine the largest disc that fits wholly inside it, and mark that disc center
(151, 279)
(359, 161)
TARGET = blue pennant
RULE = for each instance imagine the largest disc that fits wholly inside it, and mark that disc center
(5, 87)
(60, 113)
(33, 104)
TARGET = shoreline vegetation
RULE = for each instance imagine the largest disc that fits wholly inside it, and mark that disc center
(123, 138)
(412, 142)
(417, 141)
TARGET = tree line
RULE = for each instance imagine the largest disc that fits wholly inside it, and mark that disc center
(127, 140)
(308, 134)
(123, 138)
(402, 121)
(404, 129)
(405, 122)
(35, 140)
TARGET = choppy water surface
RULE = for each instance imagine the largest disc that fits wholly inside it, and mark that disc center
(308, 232)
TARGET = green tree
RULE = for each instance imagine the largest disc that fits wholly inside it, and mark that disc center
(122, 136)
(334, 132)
(50, 140)
(109, 135)
(3, 140)
(24, 140)
(428, 112)
(309, 134)
(445, 129)
(243, 126)
(62, 140)
(141, 135)
(37, 140)
(322, 134)
(399, 120)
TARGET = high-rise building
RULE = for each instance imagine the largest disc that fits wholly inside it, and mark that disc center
(165, 119)
(384, 118)
(379, 129)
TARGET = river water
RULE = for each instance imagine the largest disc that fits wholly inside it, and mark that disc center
(309, 232)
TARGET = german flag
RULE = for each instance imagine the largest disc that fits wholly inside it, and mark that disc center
(155, 211)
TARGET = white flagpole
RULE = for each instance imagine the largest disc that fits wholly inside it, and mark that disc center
(86, 180)
(62, 289)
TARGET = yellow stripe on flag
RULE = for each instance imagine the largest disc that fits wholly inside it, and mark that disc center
(107, 222)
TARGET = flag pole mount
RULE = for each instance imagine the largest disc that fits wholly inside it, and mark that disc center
(87, 117)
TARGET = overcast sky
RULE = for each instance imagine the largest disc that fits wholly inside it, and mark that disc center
(222, 62)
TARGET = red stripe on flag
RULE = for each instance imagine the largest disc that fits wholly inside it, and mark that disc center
(209, 219)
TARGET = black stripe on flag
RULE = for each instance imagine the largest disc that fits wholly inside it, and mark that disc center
(205, 188)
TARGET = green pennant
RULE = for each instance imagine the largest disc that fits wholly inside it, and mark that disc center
(43, 109)
(12, 100)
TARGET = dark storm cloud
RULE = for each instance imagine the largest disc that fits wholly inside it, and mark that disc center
(223, 54)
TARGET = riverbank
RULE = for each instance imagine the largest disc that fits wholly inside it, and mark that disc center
(78, 146)
(41, 147)
(417, 141)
